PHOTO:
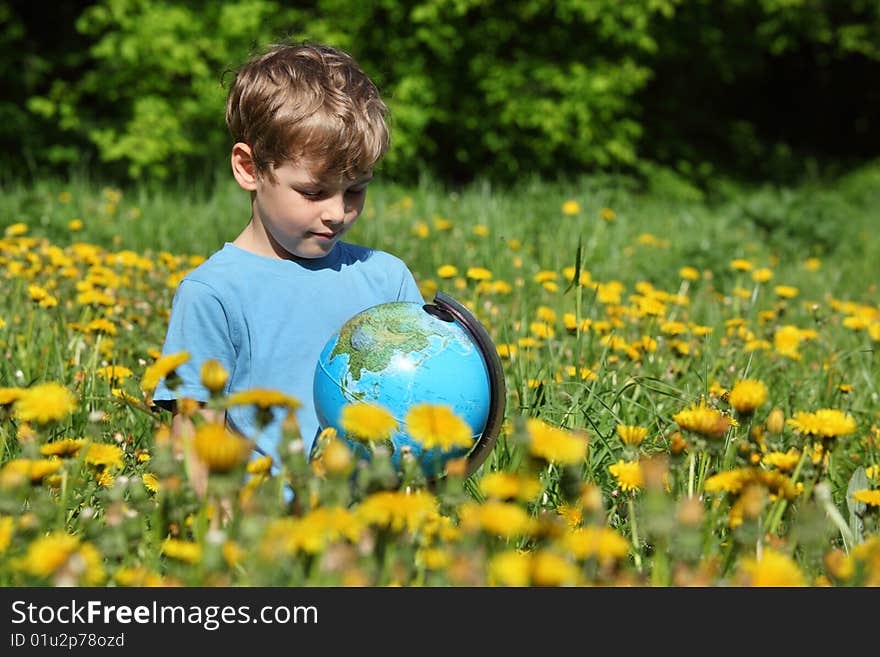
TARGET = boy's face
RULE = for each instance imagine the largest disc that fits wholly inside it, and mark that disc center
(305, 216)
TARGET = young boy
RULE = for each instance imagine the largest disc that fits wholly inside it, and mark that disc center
(308, 127)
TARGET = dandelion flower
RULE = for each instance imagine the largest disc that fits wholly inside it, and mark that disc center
(186, 551)
(510, 568)
(571, 207)
(869, 497)
(509, 485)
(220, 449)
(113, 373)
(63, 447)
(151, 482)
(786, 291)
(262, 398)
(44, 403)
(64, 556)
(398, 510)
(628, 474)
(600, 543)
(163, 366)
(824, 423)
(689, 273)
(479, 273)
(437, 425)
(631, 435)
(554, 444)
(703, 420)
(104, 455)
(447, 271)
(368, 421)
(550, 569)
(9, 395)
(747, 394)
(774, 569)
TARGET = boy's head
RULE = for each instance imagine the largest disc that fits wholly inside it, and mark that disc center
(307, 103)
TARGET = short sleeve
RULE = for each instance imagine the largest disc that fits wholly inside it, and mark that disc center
(409, 289)
(199, 325)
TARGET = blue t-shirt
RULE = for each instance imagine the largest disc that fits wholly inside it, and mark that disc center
(266, 321)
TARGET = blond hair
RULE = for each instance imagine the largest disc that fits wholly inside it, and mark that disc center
(309, 103)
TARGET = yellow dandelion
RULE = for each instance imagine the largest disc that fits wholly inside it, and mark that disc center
(869, 497)
(824, 423)
(21, 471)
(163, 366)
(554, 444)
(260, 466)
(608, 214)
(774, 569)
(262, 398)
(762, 275)
(186, 551)
(447, 271)
(631, 435)
(600, 543)
(784, 461)
(151, 482)
(44, 403)
(113, 373)
(213, 375)
(7, 529)
(747, 394)
(10, 395)
(689, 273)
(628, 474)
(337, 458)
(220, 450)
(497, 518)
(64, 447)
(741, 264)
(368, 421)
(437, 425)
(786, 291)
(571, 207)
(104, 455)
(398, 510)
(510, 568)
(703, 420)
(551, 569)
(509, 485)
(479, 273)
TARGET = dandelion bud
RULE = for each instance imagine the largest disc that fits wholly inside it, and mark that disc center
(213, 375)
(337, 458)
(776, 421)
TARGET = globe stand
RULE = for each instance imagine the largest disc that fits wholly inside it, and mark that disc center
(448, 309)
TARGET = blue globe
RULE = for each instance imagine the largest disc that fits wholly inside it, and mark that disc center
(400, 354)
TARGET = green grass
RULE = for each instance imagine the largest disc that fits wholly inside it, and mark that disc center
(626, 235)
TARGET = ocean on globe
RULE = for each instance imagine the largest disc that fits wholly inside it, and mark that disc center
(398, 354)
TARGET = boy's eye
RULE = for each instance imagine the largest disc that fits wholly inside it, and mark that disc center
(311, 194)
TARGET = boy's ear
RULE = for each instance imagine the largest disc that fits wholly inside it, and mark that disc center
(243, 168)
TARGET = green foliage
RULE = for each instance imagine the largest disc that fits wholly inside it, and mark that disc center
(470, 84)
(477, 88)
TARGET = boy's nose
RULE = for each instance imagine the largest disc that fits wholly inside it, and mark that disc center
(334, 210)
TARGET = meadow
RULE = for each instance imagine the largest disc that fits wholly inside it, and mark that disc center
(692, 384)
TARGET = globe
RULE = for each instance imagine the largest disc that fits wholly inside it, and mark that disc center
(399, 354)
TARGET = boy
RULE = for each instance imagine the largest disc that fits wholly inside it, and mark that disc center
(308, 127)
